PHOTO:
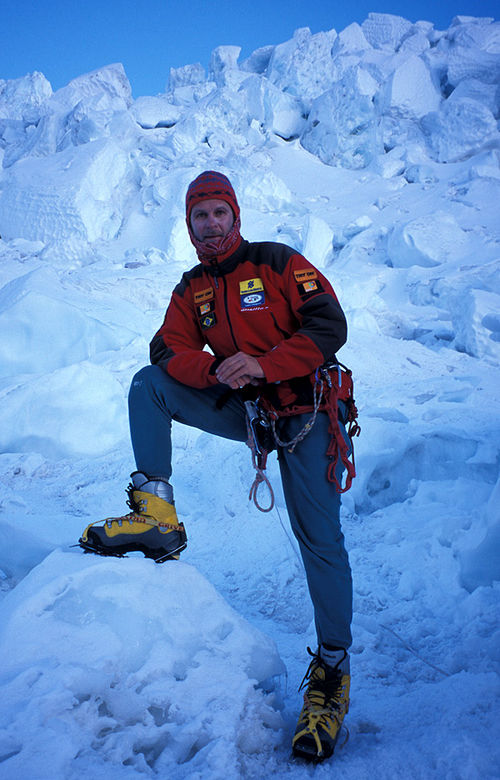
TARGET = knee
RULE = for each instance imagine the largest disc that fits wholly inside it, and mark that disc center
(146, 376)
(145, 379)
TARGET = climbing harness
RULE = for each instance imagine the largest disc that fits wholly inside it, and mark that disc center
(332, 382)
(260, 444)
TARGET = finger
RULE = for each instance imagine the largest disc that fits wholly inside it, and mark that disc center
(227, 371)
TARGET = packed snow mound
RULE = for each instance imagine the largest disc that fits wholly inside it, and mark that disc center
(167, 678)
(78, 192)
(72, 411)
(48, 324)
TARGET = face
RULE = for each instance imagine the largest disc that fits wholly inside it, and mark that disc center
(211, 218)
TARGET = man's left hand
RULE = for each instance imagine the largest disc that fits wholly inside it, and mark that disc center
(239, 370)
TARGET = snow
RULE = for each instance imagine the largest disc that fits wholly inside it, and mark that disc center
(376, 152)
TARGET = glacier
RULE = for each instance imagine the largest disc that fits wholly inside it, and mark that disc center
(375, 151)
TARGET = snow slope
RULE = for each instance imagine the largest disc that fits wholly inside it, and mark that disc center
(376, 152)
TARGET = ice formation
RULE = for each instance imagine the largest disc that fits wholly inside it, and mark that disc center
(375, 151)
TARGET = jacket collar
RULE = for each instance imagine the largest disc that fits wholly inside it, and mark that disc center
(216, 268)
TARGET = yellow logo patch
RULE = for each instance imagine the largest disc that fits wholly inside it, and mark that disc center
(204, 295)
(251, 286)
(305, 275)
(310, 286)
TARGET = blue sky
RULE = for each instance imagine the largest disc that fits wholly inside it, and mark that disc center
(66, 38)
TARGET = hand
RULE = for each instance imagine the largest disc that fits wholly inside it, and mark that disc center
(239, 370)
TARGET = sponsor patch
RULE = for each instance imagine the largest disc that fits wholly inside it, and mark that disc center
(205, 308)
(308, 289)
(251, 286)
(251, 300)
(204, 295)
(305, 275)
(208, 321)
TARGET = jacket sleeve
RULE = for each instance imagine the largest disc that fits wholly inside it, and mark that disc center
(322, 323)
(178, 346)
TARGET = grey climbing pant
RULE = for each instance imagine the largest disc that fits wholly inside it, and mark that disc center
(313, 503)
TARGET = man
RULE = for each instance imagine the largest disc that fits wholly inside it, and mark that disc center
(271, 321)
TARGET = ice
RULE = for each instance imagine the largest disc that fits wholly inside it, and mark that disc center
(186, 75)
(48, 325)
(75, 410)
(75, 193)
(224, 69)
(480, 565)
(152, 112)
(351, 40)
(410, 91)
(460, 128)
(376, 153)
(24, 98)
(258, 60)
(385, 30)
(414, 243)
(486, 94)
(304, 65)
(153, 717)
(276, 111)
(107, 89)
(342, 127)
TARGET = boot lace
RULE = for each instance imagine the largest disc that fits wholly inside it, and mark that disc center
(324, 696)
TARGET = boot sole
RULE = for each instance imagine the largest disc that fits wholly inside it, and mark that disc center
(120, 551)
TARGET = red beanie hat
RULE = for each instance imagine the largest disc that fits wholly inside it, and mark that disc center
(207, 186)
(211, 184)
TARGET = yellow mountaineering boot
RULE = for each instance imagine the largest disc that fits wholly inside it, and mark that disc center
(151, 527)
(326, 701)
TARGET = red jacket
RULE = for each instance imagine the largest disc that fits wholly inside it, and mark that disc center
(266, 300)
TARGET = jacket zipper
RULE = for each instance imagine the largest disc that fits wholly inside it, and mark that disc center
(227, 315)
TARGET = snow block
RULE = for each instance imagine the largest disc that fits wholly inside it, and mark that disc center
(224, 70)
(427, 241)
(486, 94)
(318, 243)
(480, 566)
(410, 91)
(109, 86)
(135, 668)
(158, 111)
(351, 40)
(476, 318)
(342, 126)
(264, 192)
(24, 98)
(468, 63)
(88, 108)
(47, 325)
(416, 43)
(461, 128)
(76, 193)
(385, 30)
(186, 75)
(258, 61)
(276, 111)
(303, 66)
(76, 411)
